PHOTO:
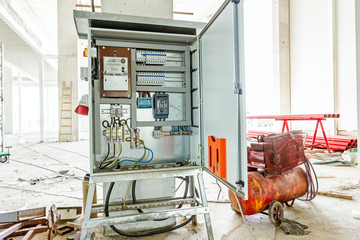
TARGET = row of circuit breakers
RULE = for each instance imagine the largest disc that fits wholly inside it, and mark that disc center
(117, 81)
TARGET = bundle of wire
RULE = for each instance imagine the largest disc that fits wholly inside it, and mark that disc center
(109, 162)
(112, 162)
(312, 182)
(150, 233)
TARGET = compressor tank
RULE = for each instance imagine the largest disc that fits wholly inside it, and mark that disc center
(263, 190)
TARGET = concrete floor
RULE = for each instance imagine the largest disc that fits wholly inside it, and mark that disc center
(327, 217)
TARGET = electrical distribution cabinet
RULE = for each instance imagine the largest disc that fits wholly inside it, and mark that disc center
(166, 100)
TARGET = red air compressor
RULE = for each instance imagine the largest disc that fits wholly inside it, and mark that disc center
(275, 176)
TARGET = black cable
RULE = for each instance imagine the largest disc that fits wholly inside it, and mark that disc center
(179, 186)
(145, 233)
(106, 155)
(133, 193)
(92, 6)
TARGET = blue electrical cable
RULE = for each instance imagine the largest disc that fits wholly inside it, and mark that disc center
(128, 160)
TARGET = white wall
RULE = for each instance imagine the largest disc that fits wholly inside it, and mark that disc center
(158, 8)
(346, 64)
(260, 95)
(311, 57)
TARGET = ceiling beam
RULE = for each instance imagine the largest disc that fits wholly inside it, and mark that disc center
(20, 70)
(15, 22)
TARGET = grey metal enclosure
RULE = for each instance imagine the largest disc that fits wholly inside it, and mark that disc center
(166, 101)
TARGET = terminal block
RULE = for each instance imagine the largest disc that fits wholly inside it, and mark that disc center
(150, 79)
(180, 130)
(113, 134)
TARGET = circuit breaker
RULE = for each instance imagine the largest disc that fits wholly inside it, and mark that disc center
(150, 79)
(151, 57)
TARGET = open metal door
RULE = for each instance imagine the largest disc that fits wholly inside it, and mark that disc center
(223, 114)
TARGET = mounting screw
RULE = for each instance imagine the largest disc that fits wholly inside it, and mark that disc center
(238, 91)
(241, 183)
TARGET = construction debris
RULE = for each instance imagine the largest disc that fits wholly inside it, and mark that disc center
(28, 228)
(22, 228)
(326, 176)
(355, 214)
(347, 158)
(292, 227)
(76, 224)
(69, 213)
(65, 230)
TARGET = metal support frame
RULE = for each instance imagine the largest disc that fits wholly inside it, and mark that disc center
(357, 28)
(318, 122)
(158, 214)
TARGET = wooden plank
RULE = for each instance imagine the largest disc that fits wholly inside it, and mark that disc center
(6, 233)
(73, 225)
(9, 217)
(32, 213)
(23, 232)
(27, 223)
(29, 234)
(78, 209)
(335, 195)
(22, 215)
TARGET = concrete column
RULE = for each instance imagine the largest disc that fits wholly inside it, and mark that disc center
(41, 92)
(20, 103)
(357, 19)
(281, 46)
(67, 60)
(345, 66)
(8, 101)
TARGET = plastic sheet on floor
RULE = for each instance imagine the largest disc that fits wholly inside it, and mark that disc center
(346, 158)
